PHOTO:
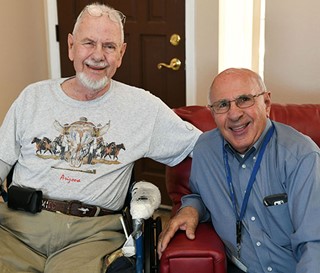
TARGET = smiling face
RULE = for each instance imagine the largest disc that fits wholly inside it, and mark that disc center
(96, 48)
(240, 127)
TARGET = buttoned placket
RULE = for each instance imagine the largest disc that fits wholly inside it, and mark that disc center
(245, 168)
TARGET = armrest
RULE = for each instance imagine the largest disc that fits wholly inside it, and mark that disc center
(204, 254)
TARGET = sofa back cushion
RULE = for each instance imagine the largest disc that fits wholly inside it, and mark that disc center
(303, 117)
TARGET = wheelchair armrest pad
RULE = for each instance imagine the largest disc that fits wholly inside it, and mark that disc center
(204, 254)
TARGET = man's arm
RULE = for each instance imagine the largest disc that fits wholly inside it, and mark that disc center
(304, 205)
(4, 170)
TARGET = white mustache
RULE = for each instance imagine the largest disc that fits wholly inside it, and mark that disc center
(96, 64)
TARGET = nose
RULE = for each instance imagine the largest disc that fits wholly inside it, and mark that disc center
(98, 53)
(234, 112)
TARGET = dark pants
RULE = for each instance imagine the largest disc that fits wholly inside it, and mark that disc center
(122, 265)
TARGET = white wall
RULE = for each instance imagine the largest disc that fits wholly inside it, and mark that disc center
(292, 58)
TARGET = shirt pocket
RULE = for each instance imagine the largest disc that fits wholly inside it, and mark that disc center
(278, 224)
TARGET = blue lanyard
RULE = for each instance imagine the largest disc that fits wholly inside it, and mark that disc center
(249, 186)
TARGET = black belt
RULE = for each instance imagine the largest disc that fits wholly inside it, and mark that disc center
(75, 208)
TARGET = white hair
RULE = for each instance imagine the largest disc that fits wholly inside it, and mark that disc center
(98, 10)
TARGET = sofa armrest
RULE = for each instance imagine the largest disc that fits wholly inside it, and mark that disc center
(204, 254)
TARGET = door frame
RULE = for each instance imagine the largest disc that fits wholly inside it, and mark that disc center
(54, 53)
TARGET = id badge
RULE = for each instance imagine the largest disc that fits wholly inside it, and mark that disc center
(239, 264)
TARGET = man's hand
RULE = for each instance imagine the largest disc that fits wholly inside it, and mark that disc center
(186, 219)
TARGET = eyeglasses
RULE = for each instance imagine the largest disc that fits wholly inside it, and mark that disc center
(243, 101)
(114, 15)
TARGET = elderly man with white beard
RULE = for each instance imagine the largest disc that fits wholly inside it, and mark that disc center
(77, 139)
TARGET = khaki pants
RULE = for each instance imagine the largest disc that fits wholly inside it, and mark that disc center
(56, 243)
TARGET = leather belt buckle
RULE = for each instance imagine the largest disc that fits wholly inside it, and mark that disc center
(75, 207)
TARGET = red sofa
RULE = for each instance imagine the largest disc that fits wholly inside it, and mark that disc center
(206, 253)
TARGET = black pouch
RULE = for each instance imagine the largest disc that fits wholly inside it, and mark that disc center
(25, 199)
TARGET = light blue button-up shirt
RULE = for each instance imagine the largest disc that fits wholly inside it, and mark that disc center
(281, 238)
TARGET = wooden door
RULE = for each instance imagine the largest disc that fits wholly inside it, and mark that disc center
(151, 31)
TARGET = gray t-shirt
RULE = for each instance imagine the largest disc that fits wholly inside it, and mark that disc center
(85, 150)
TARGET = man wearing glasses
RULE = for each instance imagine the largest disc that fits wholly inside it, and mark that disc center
(257, 180)
(75, 140)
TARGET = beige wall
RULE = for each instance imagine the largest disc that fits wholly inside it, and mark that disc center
(23, 50)
(206, 47)
(292, 58)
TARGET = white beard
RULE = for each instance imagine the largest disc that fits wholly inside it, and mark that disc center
(95, 85)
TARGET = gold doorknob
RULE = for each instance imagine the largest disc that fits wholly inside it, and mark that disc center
(175, 64)
(175, 39)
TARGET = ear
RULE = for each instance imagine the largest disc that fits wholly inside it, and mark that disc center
(70, 46)
(122, 51)
(267, 101)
